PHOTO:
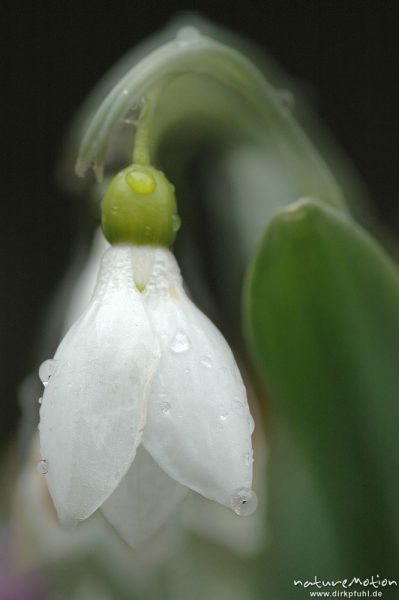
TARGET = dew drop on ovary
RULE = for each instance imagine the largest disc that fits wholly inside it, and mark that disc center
(180, 343)
(176, 223)
(244, 502)
(46, 370)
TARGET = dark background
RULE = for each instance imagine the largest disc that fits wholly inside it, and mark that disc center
(54, 52)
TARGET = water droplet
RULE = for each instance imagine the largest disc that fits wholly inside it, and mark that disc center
(251, 423)
(188, 34)
(248, 458)
(165, 407)
(223, 417)
(176, 223)
(206, 362)
(131, 115)
(42, 467)
(40, 400)
(46, 370)
(180, 343)
(141, 181)
(244, 502)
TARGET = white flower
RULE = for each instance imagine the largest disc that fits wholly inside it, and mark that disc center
(142, 401)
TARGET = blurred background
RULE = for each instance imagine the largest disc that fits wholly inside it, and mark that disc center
(343, 57)
(346, 59)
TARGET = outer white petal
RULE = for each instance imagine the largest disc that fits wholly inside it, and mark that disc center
(82, 290)
(94, 406)
(198, 426)
(145, 498)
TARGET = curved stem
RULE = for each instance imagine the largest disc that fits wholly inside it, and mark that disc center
(141, 150)
(254, 109)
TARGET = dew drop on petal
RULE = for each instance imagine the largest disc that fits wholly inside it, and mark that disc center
(42, 467)
(248, 458)
(46, 370)
(251, 423)
(180, 343)
(40, 400)
(206, 362)
(244, 502)
(165, 407)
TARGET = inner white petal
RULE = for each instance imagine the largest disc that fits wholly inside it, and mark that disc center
(143, 501)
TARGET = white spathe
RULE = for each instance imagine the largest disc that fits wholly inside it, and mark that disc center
(143, 367)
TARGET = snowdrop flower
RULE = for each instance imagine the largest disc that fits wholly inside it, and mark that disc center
(143, 399)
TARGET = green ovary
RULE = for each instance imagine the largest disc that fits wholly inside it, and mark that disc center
(139, 207)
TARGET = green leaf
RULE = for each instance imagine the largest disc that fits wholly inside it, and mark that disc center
(323, 324)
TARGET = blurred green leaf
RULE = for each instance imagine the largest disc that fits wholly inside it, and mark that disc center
(322, 308)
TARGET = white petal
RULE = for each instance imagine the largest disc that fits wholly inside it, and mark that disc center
(94, 406)
(37, 537)
(145, 498)
(198, 426)
(84, 285)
